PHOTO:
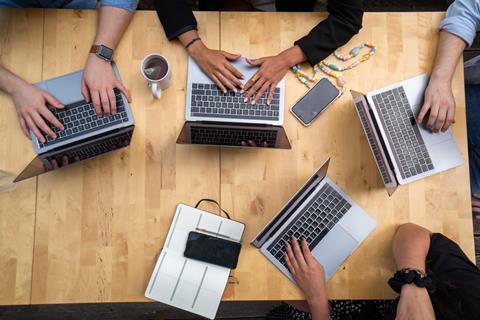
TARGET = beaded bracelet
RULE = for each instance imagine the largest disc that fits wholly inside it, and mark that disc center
(334, 71)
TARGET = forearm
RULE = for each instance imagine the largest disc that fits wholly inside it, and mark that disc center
(410, 246)
(9, 81)
(319, 309)
(293, 56)
(112, 23)
(449, 50)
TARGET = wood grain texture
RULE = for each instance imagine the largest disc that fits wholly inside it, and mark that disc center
(100, 223)
(256, 183)
(21, 36)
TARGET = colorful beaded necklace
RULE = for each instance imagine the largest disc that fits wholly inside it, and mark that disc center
(333, 70)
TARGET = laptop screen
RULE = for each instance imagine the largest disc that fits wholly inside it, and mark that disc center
(233, 135)
(76, 152)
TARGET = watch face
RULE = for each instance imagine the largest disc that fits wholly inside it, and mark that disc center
(105, 52)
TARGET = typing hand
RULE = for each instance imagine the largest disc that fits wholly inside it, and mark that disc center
(441, 104)
(216, 65)
(98, 83)
(270, 73)
(251, 143)
(307, 272)
(32, 111)
(65, 162)
(414, 304)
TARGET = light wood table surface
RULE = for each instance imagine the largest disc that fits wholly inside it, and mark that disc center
(256, 183)
(21, 44)
(91, 232)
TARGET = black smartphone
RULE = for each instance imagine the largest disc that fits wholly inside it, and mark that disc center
(316, 100)
(212, 249)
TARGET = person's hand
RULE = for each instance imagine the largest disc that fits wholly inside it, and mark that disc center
(414, 304)
(98, 83)
(216, 65)
(271, 71)
(251, 143)
(441, 104)
(307, 272)
(31, 105)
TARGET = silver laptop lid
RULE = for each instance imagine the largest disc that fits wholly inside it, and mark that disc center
(291, 206)
(224, 134)
(374, 140)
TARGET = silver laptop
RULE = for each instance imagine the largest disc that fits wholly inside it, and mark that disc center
(403, 150)
(225, 134)
(86, 135)
(321, 213)
(205, 102)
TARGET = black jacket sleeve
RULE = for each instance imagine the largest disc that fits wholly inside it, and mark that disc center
(344, 21)
(176, 17)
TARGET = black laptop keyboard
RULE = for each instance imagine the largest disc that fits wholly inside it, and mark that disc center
(80, 118)
(233, 137)
(318, 218)
(209, 101)
(93, 149)
(403, 133)
(369, 130)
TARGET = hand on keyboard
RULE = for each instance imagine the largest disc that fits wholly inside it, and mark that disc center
(217, 67)
(251, 143)
(98, 83)
(440, 103)
(309, 276)
(31, 104)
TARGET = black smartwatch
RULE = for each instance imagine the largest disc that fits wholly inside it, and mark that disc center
(103, 52)
(408, 276)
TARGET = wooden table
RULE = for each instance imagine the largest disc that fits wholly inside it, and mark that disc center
(90, 232)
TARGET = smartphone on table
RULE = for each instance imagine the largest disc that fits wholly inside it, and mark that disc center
(212, 249)
(315, 101)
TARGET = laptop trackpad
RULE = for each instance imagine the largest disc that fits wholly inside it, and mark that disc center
(334, 249)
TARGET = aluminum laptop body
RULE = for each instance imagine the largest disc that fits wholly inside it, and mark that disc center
(199, 84)
(403, 158)
(226, 134)
(334, 243)
(89, 135)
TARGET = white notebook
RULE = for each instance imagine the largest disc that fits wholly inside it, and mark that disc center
(185, 283)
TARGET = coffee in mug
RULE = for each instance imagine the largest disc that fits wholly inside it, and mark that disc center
(156, 70)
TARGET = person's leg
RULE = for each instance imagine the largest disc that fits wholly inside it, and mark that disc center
(472, 96)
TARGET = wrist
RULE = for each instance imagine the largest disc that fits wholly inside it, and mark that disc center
(93, 57)
(293, 56)
(441, 77)
(14, 83)
(196, 48)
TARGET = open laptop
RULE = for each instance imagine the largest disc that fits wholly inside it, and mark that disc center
(223, 119)
(86, 135)
(403, 150)
(321, 213)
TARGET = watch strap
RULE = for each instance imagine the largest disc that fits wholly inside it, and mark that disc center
(97, 49)
(94, 49)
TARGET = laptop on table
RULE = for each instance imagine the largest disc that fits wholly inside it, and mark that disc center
(222, 119)
(86, 135)
(403, 150)
(322, 214)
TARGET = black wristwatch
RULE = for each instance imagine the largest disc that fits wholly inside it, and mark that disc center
(408, 276)
(103, 52)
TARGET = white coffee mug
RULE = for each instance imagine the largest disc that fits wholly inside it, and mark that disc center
(156, 70)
